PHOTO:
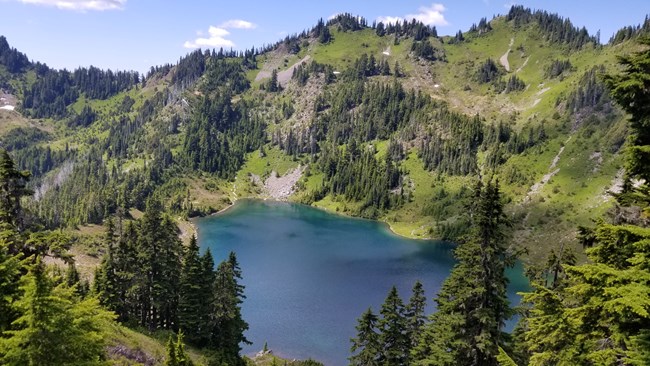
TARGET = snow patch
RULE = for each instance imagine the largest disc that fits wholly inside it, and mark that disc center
(8, 107)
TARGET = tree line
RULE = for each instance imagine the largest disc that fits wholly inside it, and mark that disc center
(148, 278)
(596, 313)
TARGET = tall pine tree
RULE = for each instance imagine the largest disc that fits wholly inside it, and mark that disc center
(601, 313)
(472, 304)
(366, 349)
(54, 327)
(393, 338)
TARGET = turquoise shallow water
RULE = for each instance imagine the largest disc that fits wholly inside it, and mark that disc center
(310, 274)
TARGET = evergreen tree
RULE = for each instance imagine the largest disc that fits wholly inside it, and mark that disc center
(600, 313)
(171, 353)
(472, 304)
(228, 326)
(11, 243)
(10, 266)
(54, 328)
(13, 186)
(414, 313)
(273, 85)
(393, 337)
(176, 354)
(366, 349)
(194, 299)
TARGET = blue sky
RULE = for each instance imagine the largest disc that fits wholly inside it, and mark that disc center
(135, 34)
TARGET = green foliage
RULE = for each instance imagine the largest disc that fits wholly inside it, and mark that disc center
(631, 32)
(139, 276)
(194, 296)
(393, 326)
(366, 348)
(453, 152)
(557, 68)
(514, 84)
(554, 28)
(13, 186)
(218, 135)
(482, 27)
(54, 327)
(388, 340)
(55, 90)
(426, 51)
(599, 312)
(488, 72)
(414, 313)
(176, 354)
(472, 304)
(591, 95)
(10, 266)
(11, 58)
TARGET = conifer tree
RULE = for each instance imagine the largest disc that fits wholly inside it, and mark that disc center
(171, 359)
(10, 266)
(601, 312)
(176, 354)
(54, 328)
(273, 85)
(13, 186)
(414, 313)
(393, 338)
(366, 349)
(194, 299)
(228, 326)
(472, 304)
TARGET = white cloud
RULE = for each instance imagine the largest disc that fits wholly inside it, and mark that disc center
(80, 5)
(331, 17)
(429, 15)
(217, 35)
(390, 20)
(216, 38)
(238, 24)
(509, 4)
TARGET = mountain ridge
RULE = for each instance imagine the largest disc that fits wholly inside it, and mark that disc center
(517, 105)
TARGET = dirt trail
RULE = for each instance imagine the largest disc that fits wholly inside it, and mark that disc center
(524, 64)
(552, 170)
(539, 94)
(504, 59)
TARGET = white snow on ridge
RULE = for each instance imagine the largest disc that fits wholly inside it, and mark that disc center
(8, 107)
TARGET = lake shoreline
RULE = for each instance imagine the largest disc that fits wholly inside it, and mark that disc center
(386, 223)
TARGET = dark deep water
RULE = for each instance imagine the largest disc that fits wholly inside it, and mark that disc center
(310, 274)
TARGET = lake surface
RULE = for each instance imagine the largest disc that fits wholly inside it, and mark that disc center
(310, 274)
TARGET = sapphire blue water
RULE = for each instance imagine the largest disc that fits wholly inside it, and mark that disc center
(310, 274)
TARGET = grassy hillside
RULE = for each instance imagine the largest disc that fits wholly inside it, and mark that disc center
(559, 183)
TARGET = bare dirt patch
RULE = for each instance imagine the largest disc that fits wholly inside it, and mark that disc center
(280, 188)
(504, 59)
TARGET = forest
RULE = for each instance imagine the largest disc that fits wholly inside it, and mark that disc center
(137, 155)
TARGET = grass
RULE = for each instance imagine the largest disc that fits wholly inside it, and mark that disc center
(574, 196)
(346, 47)
(142, 342)
(261, 165)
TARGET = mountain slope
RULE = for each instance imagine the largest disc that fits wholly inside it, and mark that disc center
(414, 117)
